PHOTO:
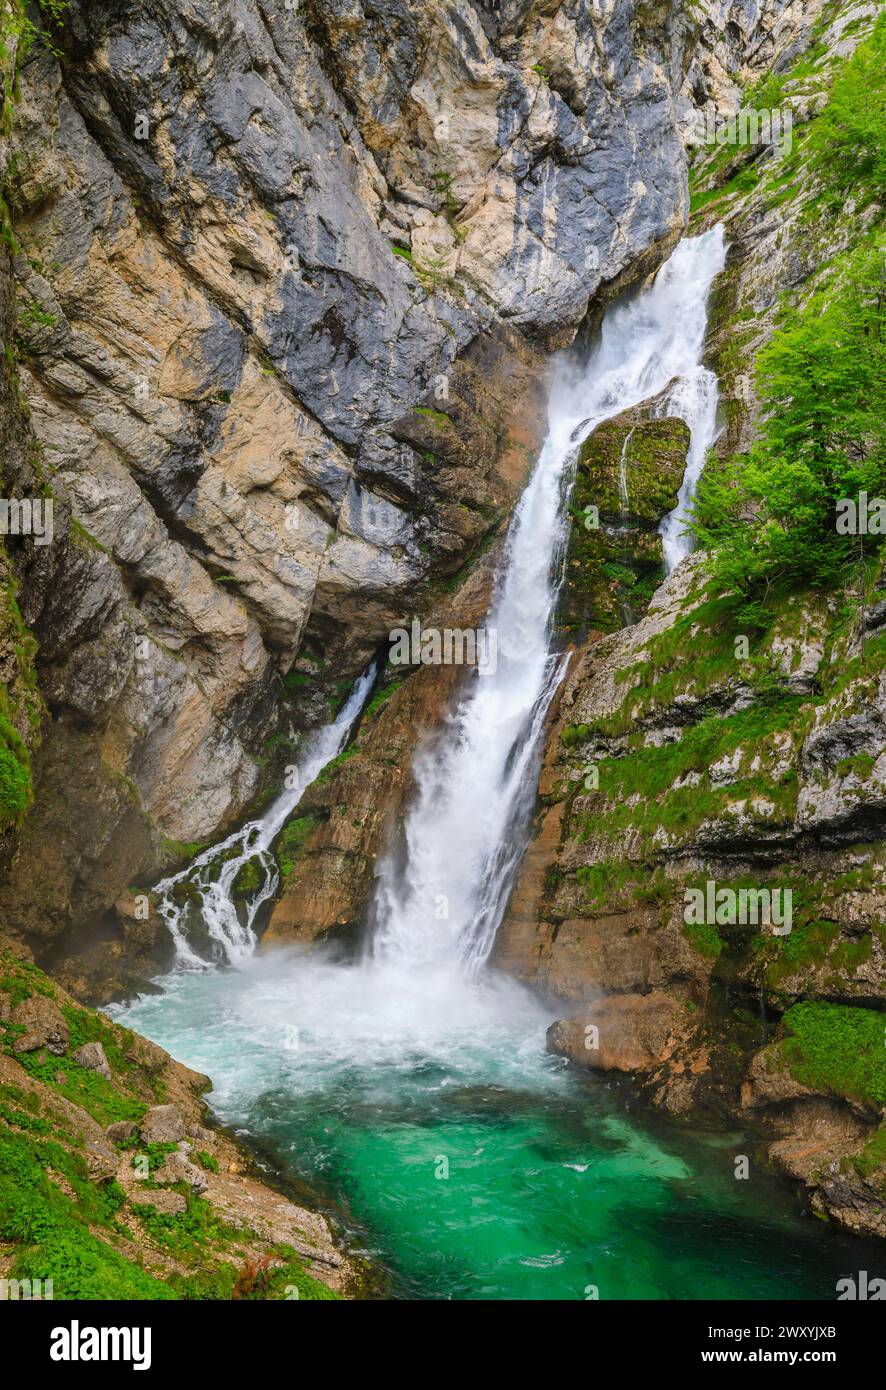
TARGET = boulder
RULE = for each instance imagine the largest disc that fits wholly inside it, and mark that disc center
(162, 1125)
(121, 1131)
(168, 1203)
(44, 1025)
(92, 1056)
(628, 1032)
(177, 1167)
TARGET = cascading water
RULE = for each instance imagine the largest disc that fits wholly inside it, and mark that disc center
(210, 877)
(623, 497)
(476, 783)
(438, 907)
(473, 1163)
(627, 612)
(693, 397)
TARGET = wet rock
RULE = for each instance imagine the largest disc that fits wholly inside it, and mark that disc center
(630, 469)
(628, 1032)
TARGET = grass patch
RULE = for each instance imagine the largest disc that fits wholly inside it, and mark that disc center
(833, 1047)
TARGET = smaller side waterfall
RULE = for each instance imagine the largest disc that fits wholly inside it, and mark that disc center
(694, 397)
(210, 877)
(624, 601)
(623, 478)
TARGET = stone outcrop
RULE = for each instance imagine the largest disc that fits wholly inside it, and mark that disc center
(627, 479)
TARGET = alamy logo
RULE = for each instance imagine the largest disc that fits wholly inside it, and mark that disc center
(727, 907)
(14, 1290)
(451, 646)
(76, 1343)
(869, 1290)
(27, 516)
(746, 128)
(861, 516)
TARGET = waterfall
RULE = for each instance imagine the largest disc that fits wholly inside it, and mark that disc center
(440, 901)
(624, 599)
(694, 397)
(623, 478)
(210, 877)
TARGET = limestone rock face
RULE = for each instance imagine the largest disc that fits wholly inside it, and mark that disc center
(44, 1025)
(286, 279)
(92, 1056)
(162, 1124)
(741, 41)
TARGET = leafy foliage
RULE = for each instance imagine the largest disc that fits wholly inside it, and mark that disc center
(848, 141)
(770, 516)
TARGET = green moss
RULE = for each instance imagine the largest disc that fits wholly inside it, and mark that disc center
(21, 707)
(182, 851)
(704, 938)
(612, 568)
(638, 790)
(384, 693)
(872, 1158)
(249, 878)
(833, 1047)
(20, 980)
(806, 946)
(297, 680)
(437, 416)
(861, 764)
(291, 841)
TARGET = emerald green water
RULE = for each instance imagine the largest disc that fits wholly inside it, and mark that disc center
(465, 1161)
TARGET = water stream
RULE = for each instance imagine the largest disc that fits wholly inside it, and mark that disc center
(412, 1087)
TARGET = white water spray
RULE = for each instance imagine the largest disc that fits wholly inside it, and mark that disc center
(210, 877)
(440, 905)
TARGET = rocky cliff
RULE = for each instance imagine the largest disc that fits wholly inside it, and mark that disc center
(285, 278)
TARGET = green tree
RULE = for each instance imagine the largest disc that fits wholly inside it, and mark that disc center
(847, 143)
(770, 516)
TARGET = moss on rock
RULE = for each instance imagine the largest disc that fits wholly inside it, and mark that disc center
(628, 476)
